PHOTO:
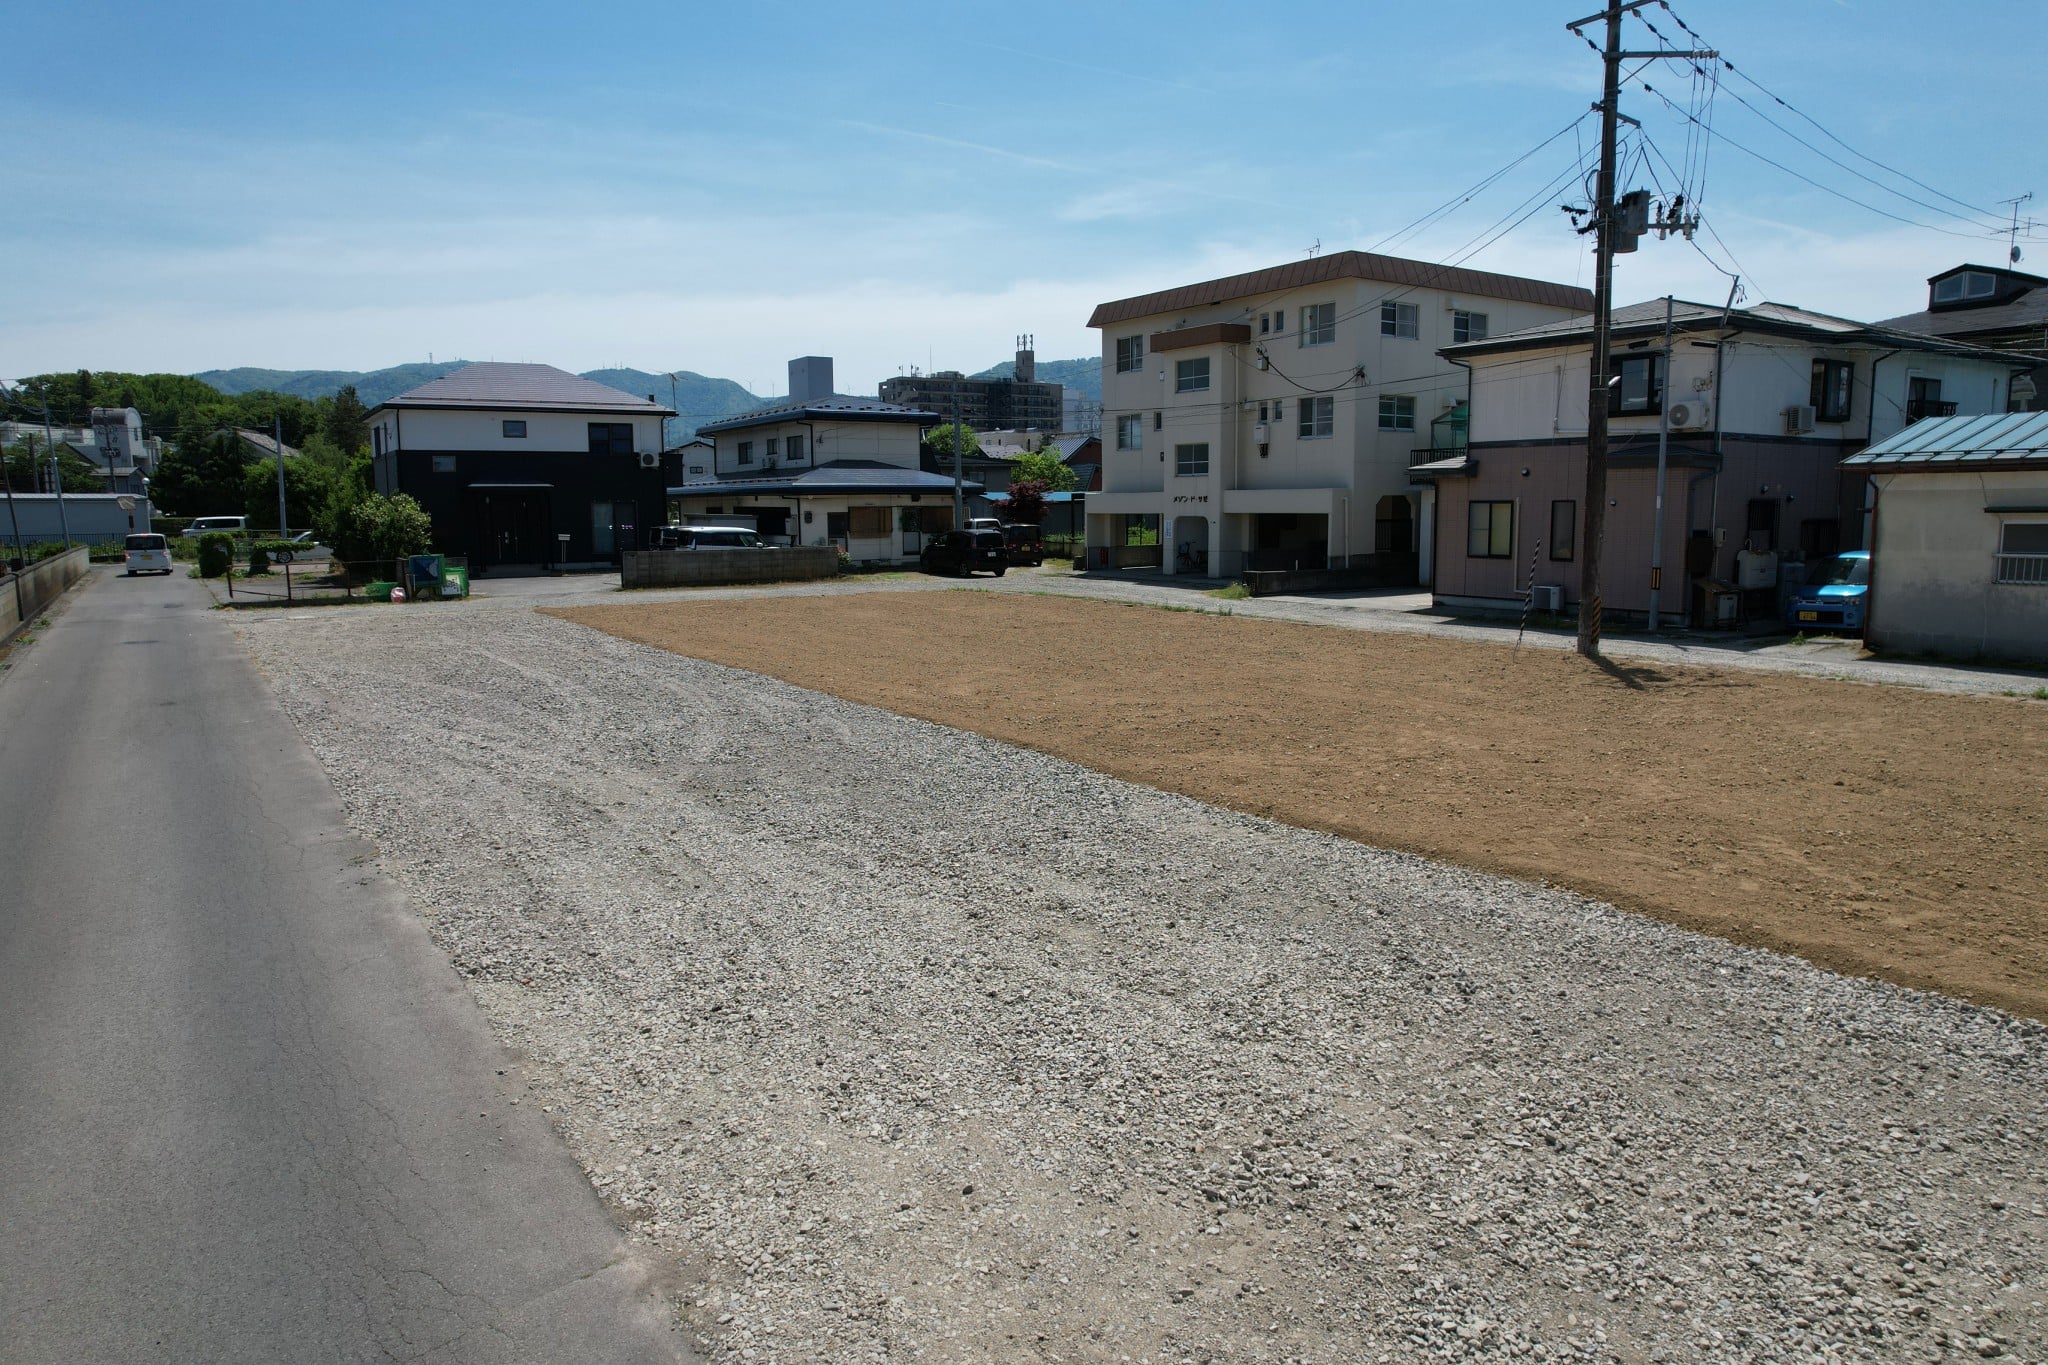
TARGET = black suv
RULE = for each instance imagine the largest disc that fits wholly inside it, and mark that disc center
(962, 552)
(1026, 545)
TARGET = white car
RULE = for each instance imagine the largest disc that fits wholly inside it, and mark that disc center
(200, 526)
(146, 552)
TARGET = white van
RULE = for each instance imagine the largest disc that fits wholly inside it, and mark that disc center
(147, 552)
(200, 526)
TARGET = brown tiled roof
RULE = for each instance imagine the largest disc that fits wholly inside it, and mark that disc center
(1345, 265)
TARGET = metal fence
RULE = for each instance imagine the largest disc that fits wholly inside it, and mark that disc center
(335, 580)
(2028, 569)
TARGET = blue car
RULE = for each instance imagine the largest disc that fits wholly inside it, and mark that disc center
(1833, 595)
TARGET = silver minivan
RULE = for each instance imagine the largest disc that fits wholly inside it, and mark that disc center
(200, 526)
(146, 552)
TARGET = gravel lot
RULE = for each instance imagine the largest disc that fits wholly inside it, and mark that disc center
(907, 1044)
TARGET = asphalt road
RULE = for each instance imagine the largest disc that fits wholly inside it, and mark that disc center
(247, 1111)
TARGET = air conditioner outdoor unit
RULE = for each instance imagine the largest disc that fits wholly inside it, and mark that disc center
(649, 460)
(1799, 418)
(1547, 597)
(1692, 415)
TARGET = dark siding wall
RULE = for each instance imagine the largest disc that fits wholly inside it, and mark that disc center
(577, 479)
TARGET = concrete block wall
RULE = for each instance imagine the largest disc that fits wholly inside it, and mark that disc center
(23, 596)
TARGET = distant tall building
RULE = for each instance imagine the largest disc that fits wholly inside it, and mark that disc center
(1017, 404)
(810, 376)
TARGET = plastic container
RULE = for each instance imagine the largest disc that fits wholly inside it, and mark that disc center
(379, 591)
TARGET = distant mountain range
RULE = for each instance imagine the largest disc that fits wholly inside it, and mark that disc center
(698, 399)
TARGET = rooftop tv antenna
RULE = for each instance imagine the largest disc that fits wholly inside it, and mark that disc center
(2012, 234)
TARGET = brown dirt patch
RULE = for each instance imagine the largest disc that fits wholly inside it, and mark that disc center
(1873, 830)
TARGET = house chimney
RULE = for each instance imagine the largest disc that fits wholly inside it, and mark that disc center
(1027, 361)
(810, 377)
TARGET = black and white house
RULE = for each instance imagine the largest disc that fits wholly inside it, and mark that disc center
(525, 466)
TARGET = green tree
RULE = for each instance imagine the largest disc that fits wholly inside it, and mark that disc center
(943, 439)
(28, 468)
(202, 473)
(345, 421)
(381, 527)
(307, 484)
(1044, 467)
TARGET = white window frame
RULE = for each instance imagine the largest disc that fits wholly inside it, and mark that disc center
(1391, 416)
(794, 449)
(1186, 373)
(1130, 353)
(1403, 320)
(1189, 465)
(1318, 325)
(1130, 431)
(743, 452)
(1463, 328)
(1316, 418)
(2021, 568)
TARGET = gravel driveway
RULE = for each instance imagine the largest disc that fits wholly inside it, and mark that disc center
(910, 1045)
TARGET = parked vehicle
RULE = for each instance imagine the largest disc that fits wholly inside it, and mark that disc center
(146, 552)
(1025, 543)
(962, 552)
(709, 538)
(984, 524)
(200, 526)
(1833, 595)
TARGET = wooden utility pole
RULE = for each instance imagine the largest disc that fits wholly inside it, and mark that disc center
(1606, 228)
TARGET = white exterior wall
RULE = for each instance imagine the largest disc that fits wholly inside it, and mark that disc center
(893, 443)
(1934, 564)
(1536, 395)
(482, 429)
(1341, 477)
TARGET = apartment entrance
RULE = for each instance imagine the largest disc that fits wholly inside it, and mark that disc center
(511, 526)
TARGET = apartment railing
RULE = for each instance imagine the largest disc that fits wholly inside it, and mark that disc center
(2028, 569)
(1917, 408)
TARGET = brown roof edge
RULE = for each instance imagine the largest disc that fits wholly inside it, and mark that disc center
(1340, 265)
(1209, 334)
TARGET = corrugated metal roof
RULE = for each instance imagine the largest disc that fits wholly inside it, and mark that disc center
(838, 407)
(499, 384)
(1998, 438)
(1343, 265)
(837, 476)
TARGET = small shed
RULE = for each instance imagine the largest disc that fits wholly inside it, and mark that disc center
(1959, 538)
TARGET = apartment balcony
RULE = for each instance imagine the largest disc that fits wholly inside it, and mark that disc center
(1448, 437)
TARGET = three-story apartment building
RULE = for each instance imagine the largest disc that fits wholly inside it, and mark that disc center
(1267, 420)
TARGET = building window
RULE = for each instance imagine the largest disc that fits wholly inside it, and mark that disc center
(2023, 552)
(1397, 412)
(745, 452)
(771, 449)
(1490, 530)
(444, 464)
(1832, 384)
(1400, 320)
(1923, 399)
(1639, 387)
(1277, 413)
(1130, 354)
(1263, 411)
(869, 523)
(1158, 420)
(796, 449)
(1564, 528)
(1191, 460)
(1318, 324)
(1130, 432)
(376, 440)
(1973, 284)
(512, 429)
(611, 438)
(1315, 418)
(1279, 321)
(1191, 376)
(1265, 322)
(1467, 326)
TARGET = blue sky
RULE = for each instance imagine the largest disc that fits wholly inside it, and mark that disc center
(721, 187)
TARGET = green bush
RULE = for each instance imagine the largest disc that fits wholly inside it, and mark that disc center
(111, 552)
(216, 554)
(259, 558)
(381, 527)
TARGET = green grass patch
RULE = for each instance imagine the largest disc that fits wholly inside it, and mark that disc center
(1229, 592)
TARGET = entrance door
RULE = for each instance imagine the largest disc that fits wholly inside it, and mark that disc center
(512, 526)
